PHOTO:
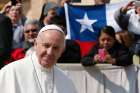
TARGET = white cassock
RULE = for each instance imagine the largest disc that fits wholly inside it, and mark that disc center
(27, 76)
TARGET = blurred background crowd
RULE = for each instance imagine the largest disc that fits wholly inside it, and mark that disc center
(20, 21)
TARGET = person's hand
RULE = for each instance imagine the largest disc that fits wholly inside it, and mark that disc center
(109, 59)
(101, 56)
(96, 58)
(129, 6)
(6, 7)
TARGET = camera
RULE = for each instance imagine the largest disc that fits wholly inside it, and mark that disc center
(14, 2)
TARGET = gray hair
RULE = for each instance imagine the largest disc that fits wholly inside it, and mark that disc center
(32, 22)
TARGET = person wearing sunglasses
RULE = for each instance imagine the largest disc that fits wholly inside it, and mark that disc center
(30, 32)
(31, 29)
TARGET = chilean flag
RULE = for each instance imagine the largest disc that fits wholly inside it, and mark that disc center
(85, 22)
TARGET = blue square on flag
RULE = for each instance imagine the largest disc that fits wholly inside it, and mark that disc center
(85, 22)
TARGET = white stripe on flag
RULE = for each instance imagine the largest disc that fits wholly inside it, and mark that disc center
(68, 36)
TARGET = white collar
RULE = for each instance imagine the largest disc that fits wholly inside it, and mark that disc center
(37, 65)
(43, 75)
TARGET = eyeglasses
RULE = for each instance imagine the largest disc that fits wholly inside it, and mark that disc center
(31, 30)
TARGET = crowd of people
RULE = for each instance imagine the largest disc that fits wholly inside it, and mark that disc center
(24, 31)
(32, 47)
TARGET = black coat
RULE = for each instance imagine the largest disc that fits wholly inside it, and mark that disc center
(72, 53)
(6, 35)
(119, 52)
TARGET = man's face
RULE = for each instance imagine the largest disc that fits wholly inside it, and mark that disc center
(30, 32)
(106, 41)
(49, 47)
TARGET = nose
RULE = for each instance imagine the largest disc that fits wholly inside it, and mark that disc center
(50, 51)
(105, 41)
(30, 32)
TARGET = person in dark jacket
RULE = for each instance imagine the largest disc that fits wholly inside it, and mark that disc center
(108, 50)
(6, 35)
(72, 52)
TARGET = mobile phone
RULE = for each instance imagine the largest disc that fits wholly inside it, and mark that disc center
(102, 54)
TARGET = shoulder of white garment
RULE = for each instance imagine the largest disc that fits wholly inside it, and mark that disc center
(19, 65)
(18, 77)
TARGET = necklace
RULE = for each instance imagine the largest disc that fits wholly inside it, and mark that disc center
(50, 88)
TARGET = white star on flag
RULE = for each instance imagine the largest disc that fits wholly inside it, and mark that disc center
(86, 23)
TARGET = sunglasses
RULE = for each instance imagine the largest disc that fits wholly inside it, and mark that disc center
(31, 30)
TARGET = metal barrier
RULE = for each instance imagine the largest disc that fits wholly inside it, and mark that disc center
(103, 78)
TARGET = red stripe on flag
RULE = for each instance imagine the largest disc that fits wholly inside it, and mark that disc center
(85, 47)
